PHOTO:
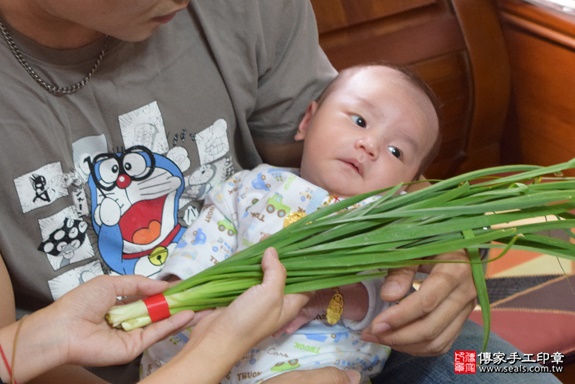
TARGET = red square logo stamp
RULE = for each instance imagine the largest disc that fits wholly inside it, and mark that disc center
(464, 362)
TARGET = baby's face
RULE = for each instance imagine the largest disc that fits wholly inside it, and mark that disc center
(371, 132)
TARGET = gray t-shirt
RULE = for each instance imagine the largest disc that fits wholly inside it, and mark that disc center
(106, 180)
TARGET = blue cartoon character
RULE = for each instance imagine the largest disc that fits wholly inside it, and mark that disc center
(135, 195)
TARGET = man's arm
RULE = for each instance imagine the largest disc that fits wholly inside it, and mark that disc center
(280, 155)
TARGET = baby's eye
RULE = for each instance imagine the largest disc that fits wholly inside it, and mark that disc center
(394, 151)
(358, 120)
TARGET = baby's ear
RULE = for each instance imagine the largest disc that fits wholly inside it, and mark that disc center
(305, 121)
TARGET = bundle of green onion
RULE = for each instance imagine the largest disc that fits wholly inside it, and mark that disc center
(334, 246)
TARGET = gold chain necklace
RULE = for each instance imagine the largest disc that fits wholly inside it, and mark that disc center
(51, 88)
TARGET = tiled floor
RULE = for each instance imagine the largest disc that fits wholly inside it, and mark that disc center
(517, 263)
(523, 263)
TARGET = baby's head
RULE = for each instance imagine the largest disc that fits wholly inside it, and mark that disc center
(373, 127)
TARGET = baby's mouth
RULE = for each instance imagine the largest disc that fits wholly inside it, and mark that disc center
(357, 166)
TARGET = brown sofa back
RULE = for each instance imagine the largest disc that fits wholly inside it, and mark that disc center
(456, 46)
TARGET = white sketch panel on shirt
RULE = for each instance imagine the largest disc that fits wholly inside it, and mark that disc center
(144, 126)
(212, 142)
(65, 238)
(41, 187)
(63, 283)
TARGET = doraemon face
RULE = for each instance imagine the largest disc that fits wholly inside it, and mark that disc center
(118, 170)
(135, 196)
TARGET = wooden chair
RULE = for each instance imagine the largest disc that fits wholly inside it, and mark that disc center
(456, 46)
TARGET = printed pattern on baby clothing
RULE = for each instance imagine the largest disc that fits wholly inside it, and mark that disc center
(247, 208)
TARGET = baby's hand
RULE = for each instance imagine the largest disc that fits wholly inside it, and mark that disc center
(355, 299)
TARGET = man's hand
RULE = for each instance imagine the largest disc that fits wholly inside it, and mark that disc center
(426, 322)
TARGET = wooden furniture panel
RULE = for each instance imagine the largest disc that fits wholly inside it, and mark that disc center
(443, 41)
(340, 14)
(541, 44)
(451, 86)
(490, 66)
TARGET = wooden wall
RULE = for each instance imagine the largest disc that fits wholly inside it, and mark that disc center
(541, 44)
(455, 45)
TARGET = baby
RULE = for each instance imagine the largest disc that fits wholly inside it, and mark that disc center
(374, 126)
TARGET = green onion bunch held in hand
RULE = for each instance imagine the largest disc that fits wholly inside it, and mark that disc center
(336, 246)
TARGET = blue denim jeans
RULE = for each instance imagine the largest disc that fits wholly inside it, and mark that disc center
(403, 368)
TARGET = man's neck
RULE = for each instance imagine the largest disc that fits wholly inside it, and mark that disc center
(43, 28)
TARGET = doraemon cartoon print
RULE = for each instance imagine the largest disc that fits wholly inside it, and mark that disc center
(135, 195)
(130, 205)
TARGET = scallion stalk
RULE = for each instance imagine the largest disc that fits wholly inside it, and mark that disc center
(488, 208)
